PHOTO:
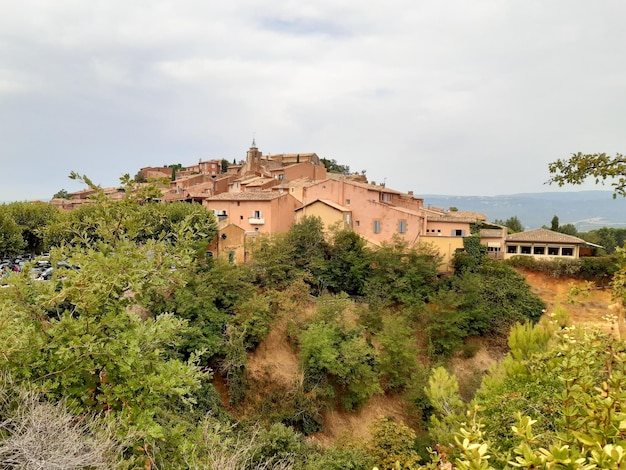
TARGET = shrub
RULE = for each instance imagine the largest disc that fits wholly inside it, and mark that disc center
(339, 459)
(392, 445)
(279, 443)
(523, 262)
(599, 270)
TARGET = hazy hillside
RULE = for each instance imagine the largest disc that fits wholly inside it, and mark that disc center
(587, 210)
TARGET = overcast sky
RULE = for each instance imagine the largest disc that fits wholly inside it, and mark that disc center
(461, 97)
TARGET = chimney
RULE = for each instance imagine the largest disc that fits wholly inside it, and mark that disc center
(410, 193)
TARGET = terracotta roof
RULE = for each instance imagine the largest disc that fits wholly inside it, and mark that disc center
(448, 218)
(298, 182)
(475, 215)
(328, 203)
(545, 236)
(247, 196)
(259, 181)
(372, 187)
(492, 232)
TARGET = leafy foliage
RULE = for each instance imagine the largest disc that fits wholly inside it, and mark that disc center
(344, 356)
(598, 166)
(11, 241)
(334, 167)
(512, 223)
(391, 446)
(401, 276)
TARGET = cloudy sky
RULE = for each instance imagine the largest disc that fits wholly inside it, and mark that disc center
(461, 97)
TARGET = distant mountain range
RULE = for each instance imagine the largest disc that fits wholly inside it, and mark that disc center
(587, 210)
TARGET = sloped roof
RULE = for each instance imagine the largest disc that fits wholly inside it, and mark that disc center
(338, 207)
(491, 232)
(247, 196)
(545, 236)
(448, 218)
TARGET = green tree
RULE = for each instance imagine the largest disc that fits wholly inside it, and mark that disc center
(600, 167)
(512, 223)
(33, 218)
(392, 445)
(224, 165)
(554, 225)
(400, 275)
(134, 218)
(62, 194)
(310, 249)
(398, 351)
(348, 264)
(569, 229)
(140, 178)
(341, 355)
(11, 241)
(448, 408)
(334, 167)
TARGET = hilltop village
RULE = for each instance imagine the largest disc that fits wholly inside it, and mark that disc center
(266, 194)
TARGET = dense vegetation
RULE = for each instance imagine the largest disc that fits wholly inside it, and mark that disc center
(114, 365)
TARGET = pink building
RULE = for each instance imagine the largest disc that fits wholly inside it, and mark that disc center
(374, 209)
(255, 211)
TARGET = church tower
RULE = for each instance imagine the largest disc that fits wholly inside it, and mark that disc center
(253, 159)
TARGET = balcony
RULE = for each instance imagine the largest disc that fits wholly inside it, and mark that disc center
(256, 221)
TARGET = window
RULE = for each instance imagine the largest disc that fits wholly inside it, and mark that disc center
(402, 226)
(385, 197)
(539, 250)
(493, 248)
(377, 226)
(358, 223)
(293, 189)
(257, 215)
(525, 250)
(567, 251)
(347, 202)
(458, 233)
(553, 250)
(511, 249)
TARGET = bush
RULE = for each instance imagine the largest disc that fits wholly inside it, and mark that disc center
(523, 262)
(339, 459)
(392, 444)
(600, 270)
(279, 443)
(345, 357)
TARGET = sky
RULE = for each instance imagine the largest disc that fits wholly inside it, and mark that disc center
(458, 97)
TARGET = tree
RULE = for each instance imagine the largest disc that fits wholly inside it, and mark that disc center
(347, 268)
(140, 177)
(62, 194)
(599, 166)
(33, 218)
(554, 225)
(224, 165)
(569, 229)
(11, 241)
(512, 223)
(334, 167)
